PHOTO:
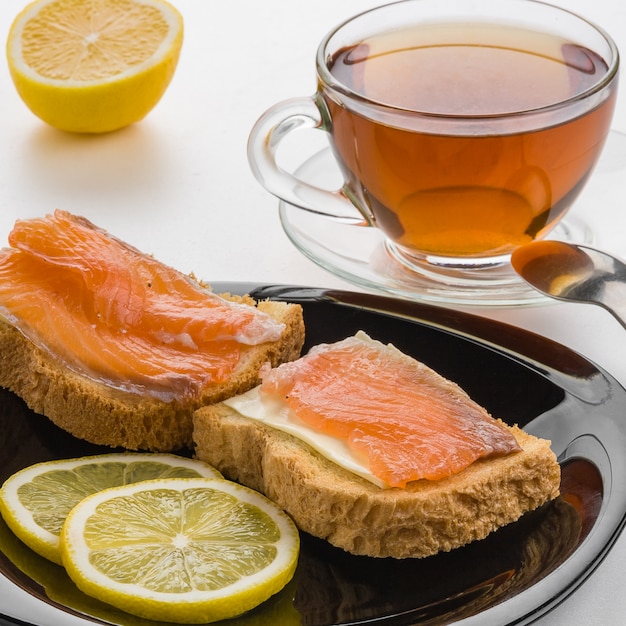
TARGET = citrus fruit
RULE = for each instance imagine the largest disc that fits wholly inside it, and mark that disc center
(36, 500)
(97, 66)
(184, 550)
(51, 583)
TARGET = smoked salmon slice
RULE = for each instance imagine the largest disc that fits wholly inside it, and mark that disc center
(117, 315)
(406, 420)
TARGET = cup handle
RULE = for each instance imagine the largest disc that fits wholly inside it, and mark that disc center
(267, 134)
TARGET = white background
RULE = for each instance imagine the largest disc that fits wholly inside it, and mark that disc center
(178, 184)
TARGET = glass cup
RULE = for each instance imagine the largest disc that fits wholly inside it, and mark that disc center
(462, 128)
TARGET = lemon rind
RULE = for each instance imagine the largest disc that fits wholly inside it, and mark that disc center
(20, 519)
(194, 606)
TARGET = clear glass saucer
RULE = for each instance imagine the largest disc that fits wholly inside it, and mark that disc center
(360, 254)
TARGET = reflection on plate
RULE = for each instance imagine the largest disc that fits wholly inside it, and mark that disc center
(359, 254)
(514, 576)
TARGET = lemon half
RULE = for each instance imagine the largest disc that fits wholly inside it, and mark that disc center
(96, 66)
(35, 501)
(183, 550)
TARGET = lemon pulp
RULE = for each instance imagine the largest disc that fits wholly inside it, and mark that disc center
(94, 66)
(184, 550)
(35, 501)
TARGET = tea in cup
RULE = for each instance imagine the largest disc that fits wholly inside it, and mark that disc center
(462, 128)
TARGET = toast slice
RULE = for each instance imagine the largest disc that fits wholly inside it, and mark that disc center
(104, 415)
(360, 516)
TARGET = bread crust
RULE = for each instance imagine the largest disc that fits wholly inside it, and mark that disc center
(107, 416)
(353, 514)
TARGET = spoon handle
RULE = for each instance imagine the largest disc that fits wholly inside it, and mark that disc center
(614, 300)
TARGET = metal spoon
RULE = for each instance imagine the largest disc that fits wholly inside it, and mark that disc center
(574, 273)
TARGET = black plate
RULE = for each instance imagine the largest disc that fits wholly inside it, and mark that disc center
(514, 576)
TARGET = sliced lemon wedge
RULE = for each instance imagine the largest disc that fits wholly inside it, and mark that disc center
(182, 550)
(35, 501)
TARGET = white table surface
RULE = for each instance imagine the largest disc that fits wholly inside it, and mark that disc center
(178, 185)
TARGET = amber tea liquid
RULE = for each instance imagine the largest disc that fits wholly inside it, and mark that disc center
(455, 193)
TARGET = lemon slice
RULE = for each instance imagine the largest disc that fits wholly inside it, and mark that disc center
(183, 550)
(95, 66)
(36, 500)
(53, 583)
